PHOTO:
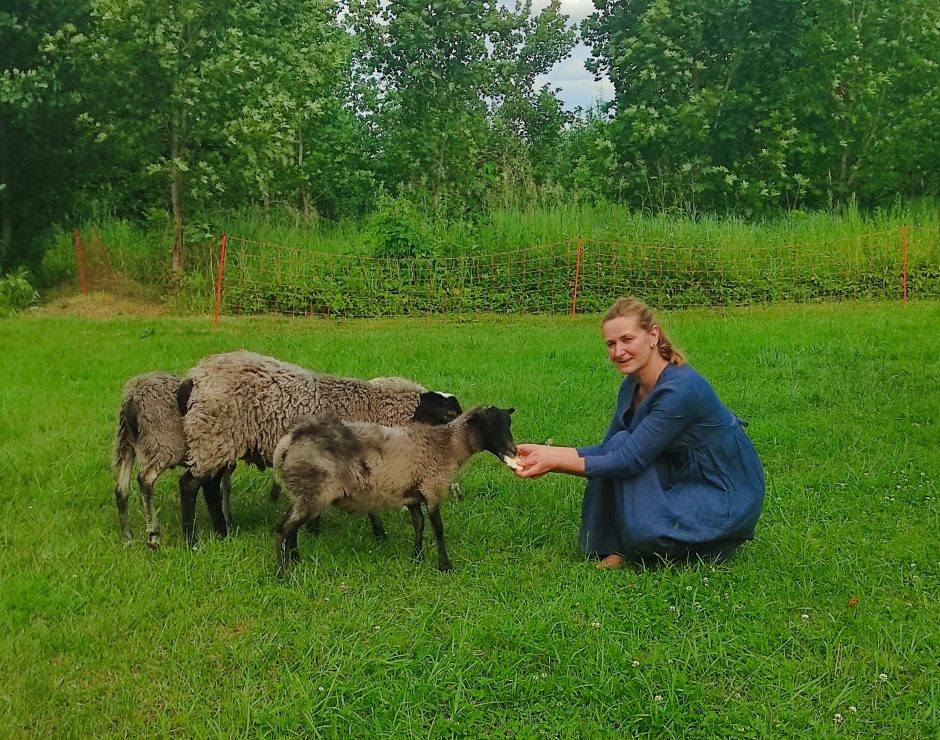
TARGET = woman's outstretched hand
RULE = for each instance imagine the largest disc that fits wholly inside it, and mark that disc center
(536, 460)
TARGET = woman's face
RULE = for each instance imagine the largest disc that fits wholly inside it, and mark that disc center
(628, 344)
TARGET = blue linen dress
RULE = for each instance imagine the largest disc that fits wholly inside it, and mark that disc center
(676, 479)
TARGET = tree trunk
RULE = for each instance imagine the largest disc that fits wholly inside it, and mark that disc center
(177, 128)
(304, 198)
(6, 205)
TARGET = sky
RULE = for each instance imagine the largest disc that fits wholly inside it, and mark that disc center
(578, 88)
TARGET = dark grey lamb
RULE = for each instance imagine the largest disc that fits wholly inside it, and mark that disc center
(361, 466)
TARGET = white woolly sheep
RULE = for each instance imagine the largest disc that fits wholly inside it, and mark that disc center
(360, 466)
(150, 432)
(237, 405)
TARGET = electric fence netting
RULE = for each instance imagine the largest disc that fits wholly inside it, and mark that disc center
(574, 276)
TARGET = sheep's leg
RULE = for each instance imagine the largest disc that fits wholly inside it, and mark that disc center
(122, 490)
(226, 487)
(378, 530)
(145, 480)
(434, 514)
(189, 488)
(285, 539)
(417, 521)
(212, 491)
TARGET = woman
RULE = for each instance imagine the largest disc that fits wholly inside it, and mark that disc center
(676, 476)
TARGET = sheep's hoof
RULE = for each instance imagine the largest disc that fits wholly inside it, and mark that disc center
(445, 567)
(153, 541)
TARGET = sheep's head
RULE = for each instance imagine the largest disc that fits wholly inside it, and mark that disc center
(437, 408)
(493, 426)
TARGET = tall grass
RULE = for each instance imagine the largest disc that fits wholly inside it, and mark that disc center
(825, 624)
(143, 252)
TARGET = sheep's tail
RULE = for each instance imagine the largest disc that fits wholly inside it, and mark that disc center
(128, 430)
(122, 458)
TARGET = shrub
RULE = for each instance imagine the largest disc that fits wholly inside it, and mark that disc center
(16, 292)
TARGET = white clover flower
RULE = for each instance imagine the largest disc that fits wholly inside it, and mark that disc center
(882, 677)
(838, 719)
(636, 664)
(658, 697)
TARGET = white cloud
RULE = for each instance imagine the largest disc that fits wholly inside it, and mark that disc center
(579, 89)
(577, 10)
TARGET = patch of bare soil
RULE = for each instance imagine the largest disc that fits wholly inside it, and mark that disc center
(119, 298)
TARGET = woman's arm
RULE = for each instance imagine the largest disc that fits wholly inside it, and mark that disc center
(672, 410)
(536, 460)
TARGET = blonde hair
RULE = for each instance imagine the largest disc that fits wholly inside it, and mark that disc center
(647, 320)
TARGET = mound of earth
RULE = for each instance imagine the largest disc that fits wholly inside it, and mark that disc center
(123, 298)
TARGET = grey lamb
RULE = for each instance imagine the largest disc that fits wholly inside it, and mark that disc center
(360, 466)
(150, 432)
(237, 405)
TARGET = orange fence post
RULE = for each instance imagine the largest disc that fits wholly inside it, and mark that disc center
(577, 274)
(904, 264)
(218, 284)
(78, 256)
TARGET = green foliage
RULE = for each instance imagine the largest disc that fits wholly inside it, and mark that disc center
(429, 75)
(399, 230)
(524, 638)
(751, 106)
(320, 110)
(16, 292)
(42, 158)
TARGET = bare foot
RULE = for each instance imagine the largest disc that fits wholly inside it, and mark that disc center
(611, 561)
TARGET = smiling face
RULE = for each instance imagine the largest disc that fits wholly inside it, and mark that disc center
(629, 346)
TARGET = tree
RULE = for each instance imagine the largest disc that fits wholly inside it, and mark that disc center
(40, 149)
(434, 75)
(527, 119)
(749, 105)
(204, 95)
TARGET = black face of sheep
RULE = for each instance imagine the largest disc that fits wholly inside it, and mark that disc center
(436, 408)
(493, 425)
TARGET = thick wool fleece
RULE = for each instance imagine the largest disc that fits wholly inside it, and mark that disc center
(149, 423)
(242, 403)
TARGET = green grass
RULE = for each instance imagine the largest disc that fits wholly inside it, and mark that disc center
(144, 252)
(524, 638)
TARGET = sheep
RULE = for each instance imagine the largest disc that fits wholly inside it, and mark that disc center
(395, 383)
(237, 405)
(362, 466)
(150, 432)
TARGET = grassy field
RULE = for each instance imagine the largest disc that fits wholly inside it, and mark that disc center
(826, 624)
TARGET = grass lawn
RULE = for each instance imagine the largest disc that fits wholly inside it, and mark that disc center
(826, 624)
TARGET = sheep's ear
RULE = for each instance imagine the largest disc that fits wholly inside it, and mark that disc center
(510, 411)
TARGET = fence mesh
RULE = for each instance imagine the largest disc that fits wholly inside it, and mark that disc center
(93, 260)
(260, 277)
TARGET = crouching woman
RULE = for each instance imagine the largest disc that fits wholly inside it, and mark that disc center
(675, 477)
